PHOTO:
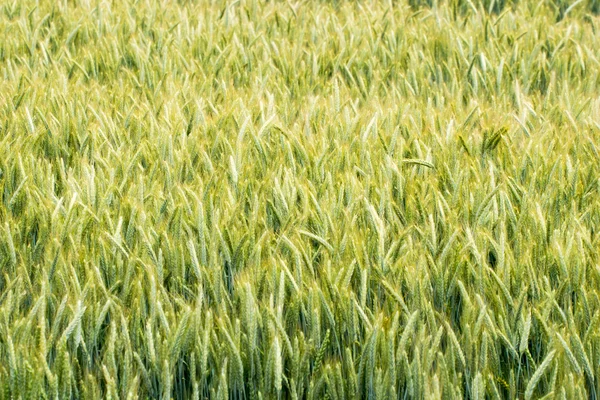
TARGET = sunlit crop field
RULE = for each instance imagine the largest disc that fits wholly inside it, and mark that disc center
(300, 199)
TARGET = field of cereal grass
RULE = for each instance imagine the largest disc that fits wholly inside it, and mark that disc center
(299, 199)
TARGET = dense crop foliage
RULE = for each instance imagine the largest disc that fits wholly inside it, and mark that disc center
(299, 199)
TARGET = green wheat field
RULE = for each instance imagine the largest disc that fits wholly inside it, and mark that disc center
(300, 199)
